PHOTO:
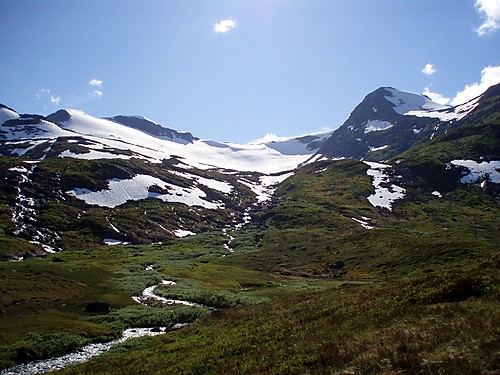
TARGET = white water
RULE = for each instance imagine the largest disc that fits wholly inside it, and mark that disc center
(84, 353)
(91, 350)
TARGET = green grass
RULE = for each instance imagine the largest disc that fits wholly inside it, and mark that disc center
(428, 325)
(407, 297)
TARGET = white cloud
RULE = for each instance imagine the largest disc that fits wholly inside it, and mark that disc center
(95, 82)
(429, 69)
(435, 97)
(225, 25)
(489, 76)
(97, 93)
(269, 137)
(46, 95)
(55, 99)
(490, 12)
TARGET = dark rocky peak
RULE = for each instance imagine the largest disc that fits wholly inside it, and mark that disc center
(152, 128)
(374, 106)
(59, 117)
(5, 107)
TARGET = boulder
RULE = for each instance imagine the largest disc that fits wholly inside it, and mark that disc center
(97, 307)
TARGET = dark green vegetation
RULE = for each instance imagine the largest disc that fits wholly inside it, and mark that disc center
(66, 222)
(441, 323)
(305, 287)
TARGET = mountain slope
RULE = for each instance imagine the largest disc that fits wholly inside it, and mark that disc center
(388, 122)
(347, 265)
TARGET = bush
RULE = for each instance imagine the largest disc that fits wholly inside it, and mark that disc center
(48, 345)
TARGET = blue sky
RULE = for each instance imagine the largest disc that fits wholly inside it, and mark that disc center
(284, 67)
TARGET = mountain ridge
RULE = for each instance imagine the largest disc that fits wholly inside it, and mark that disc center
(129, 161)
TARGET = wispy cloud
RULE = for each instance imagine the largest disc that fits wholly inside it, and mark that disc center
(225, 25)
(55, 99)
(490, 12)
(95, 82)
(489, 76)
(46, 95)
(429, 69)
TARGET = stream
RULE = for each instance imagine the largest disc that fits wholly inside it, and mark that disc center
(88, 351)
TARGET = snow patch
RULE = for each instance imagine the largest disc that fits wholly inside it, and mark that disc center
(364, 223)
(183, 233)
(410, 104)
(484, 171)
(373, 149)
(266, 186)
(222, 186)
(112, 241)
(137, 188)
(377, 126)
(385, 192)
(405, 102)
(7, 114)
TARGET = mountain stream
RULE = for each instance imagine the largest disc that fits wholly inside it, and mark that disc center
(88, 351)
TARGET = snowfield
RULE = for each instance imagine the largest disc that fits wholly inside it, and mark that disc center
(385, 192)
(479, 172)
(377, 126)
(137, 188)
(405, 102)
(410, 104)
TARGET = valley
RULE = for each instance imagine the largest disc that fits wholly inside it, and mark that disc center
(371, 249)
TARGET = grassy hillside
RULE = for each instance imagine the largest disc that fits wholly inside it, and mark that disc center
(319, 282)
(310, 227)
(441, 323)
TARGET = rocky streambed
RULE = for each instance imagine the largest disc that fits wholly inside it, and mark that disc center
(91, 350)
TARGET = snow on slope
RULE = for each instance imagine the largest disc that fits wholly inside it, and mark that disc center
(299, 145)
(137, 188)
(200, 154)
(266, 186)
(405, 102)
(7, 114)
(221, 186)
(33, 129)
(410, 104)
(479, 172)
(449, 114)
(384, 195)
(377, 125)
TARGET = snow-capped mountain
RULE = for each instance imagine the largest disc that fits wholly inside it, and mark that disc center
(129, 179)
(308, 144)
(150, 127)
(73, 133)
(388, 122)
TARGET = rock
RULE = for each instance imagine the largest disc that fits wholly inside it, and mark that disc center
(98, 307)
(339, 264)
(58, 260)
(25, 355)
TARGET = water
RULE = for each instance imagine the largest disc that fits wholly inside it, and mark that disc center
(91, 350)
(85, 353)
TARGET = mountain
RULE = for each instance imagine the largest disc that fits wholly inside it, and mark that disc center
(152, 128)
(341, 258)
(308, 144)
(70, 162)
(388, 122)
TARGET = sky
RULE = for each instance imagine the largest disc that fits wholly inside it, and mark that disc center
(242, 70)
